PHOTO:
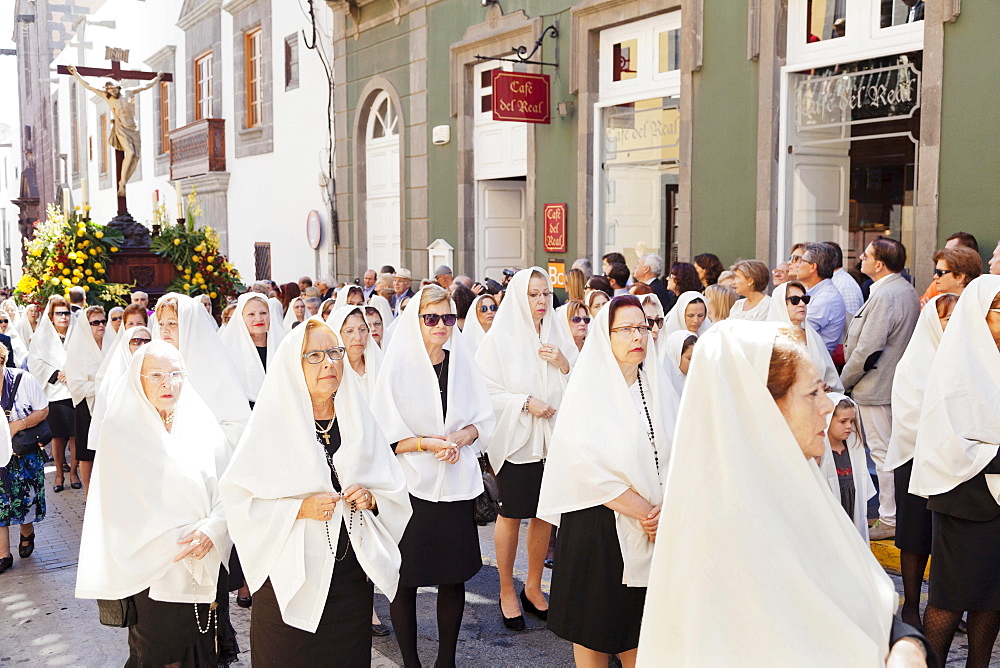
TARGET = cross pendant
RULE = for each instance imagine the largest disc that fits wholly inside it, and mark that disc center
(326, 438)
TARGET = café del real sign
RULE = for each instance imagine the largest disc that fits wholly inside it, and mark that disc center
(522, 97)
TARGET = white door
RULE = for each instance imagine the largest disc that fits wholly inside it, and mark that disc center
(500, 148)
(501, 237)
(382, 181)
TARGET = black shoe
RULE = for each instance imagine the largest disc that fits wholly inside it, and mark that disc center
(6, 562)
(58, 488)
(379, 630)
(244, 602)
(963, 628)
(26, 546)
(65, 468)
(529, 607)
(549, 563)
(512, 623)
(76, 485)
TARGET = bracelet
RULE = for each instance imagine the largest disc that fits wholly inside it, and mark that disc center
(419, 449)
(524, 408)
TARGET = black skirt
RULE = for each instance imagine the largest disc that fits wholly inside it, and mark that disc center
(343, 637)
(167, 633)
(519, 487)
(60, 418)
(964, 573)
(913, 520)
(440, 544)
(589, 605)
(81, 424)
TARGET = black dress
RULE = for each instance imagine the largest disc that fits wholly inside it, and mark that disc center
(81, 424)
(167, 633)
(914, 528)
(589, 605)
(441, 542)
(343, 637)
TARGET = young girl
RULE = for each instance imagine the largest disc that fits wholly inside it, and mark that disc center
(844, 465)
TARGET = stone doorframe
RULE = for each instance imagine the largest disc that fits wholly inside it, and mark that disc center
(587, 19)
(359, 131)
(493, 37)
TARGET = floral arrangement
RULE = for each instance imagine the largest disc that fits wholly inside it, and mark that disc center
(194, 251)
(70, 250)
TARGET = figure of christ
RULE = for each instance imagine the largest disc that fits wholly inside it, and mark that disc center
(124, 134)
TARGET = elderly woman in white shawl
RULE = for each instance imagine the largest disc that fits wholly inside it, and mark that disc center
(111, 372)
(8, 326)
(436, 412)
(252, 341)
(163, 557)
(364, 357)
(316, 504)
(778, 576)
(482, 312)
(296, 313)
(525, 360)
(789, 305)
(603, 485)
(955, 465)
(85, 348)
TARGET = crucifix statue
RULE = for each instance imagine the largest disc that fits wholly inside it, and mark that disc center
(124, 134)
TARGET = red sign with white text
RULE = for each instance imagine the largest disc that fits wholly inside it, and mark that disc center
(555, 228)
(518, 96)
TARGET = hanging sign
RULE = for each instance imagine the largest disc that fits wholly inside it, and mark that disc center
(555, 227)
(519, 96)
(557, 273)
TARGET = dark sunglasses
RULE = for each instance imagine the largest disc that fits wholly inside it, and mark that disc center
(795, 299)
(655, 321)
(484, 309)
(577, 319)
(95, 323)
(4, 322)
(64, 314)
(941, 272)
(139, 341)
(432, 319)
(116, 318)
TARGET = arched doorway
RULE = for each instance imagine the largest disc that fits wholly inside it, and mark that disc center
(382, 183)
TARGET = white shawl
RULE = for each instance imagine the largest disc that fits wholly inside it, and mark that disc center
(237, 340)
(290, 318)
(24, 329)
(83, 358)
(820, 356)
(109, 374)
(342, 294)
(661, 349)
(751, 542)
(409, 404)
(210, 367)
(277, 317)
(47, 354)
(508, 357)
(864, 489)
(674, 345)
(959, 431)
(133, 519)
(384, 309)
(675, 319)
(279, 463)
(17, 341)
(594, 461)
(372, 354)
(474, 332)
(912, 371)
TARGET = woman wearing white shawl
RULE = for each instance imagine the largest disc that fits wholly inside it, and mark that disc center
(681, 319)
(349, 295)
(111, 372)
(364, 357)
(47, 363)
(85, 348)
(166, 556)
(184, 323)
(653, 309)
(844, 421)
(474, 331)
(296, 313)
(955, 465)
(316, 505)
(27, 323)
(251, 342)
(674, 346)
(524, 359)
(277, 317)
(435, 409)
(722, 592)
(379, 320)
(603, 484)
(10, 328)
(778, 311)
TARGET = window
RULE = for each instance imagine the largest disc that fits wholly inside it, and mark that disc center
(900, 12)
(252, 54)
(203, 86)
(292, 61)
(825, 19)
(102, 161)
(823, 32)
(625, 60)
(262, 261)
(641, 59)
(164, 139)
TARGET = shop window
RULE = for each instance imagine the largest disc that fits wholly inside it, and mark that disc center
(825, 19)
(823, 32)
(641, 59)
(669, 50)
(900, 12)
(625, 60)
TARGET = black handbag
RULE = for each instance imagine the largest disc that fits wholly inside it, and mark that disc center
(29, 439)
(487, 504)
(119, 613)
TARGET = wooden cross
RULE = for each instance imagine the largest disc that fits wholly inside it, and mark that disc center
(117, 57)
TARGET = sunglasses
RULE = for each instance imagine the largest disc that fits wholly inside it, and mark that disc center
(577, 319)
(941, 272)
(61, 314)
(139, 341)
(658, 322)
(432, 319)
(4, 322)
(116, 318)
(484, 309)
(795, 299)
(95, 323)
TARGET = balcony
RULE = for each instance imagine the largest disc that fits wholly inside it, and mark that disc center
(198, 148)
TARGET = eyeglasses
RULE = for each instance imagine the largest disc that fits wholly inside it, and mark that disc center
(577, 319)
(158, 377)
(994, 310)
(630, 330)
(484, 309)
(432, 319)
(658, 322)
(795, 258)
(536, 295)
(795, 299)
(116, 318)
(139, 341)
(359, 330)
(61, 314)
(941, 272)
(95, 323)
(317, 356)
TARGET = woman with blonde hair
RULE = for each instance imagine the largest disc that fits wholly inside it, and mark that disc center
(720, 300)
(576, 283)
(751, 279)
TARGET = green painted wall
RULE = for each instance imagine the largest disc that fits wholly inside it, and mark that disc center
(970, 130)
(724, 138)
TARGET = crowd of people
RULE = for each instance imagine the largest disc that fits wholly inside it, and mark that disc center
(687, 444)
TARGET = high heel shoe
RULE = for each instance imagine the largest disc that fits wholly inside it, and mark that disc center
(75, 485)
(530, 607)
(512, 623)
(26, 546)
(59, 486)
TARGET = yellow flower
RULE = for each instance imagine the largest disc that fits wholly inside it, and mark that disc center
(55, 281)
(77, 272)
(89, 272)
(80, 232)
(66, 271)
(90, 279)
(99, 234)
(197, 274)
(93, 251)
(114, 249)
(100, 271)
(60, 265)
(195, 258)
(179, 267)
(71, 255)
(86, 242)
(65, 281)
(187, 286)
(212, 295)
(98, 249)
(97, 265)
(210, 268)
(80, 259)
(210, 258)
(177, 242)
(86, 288)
